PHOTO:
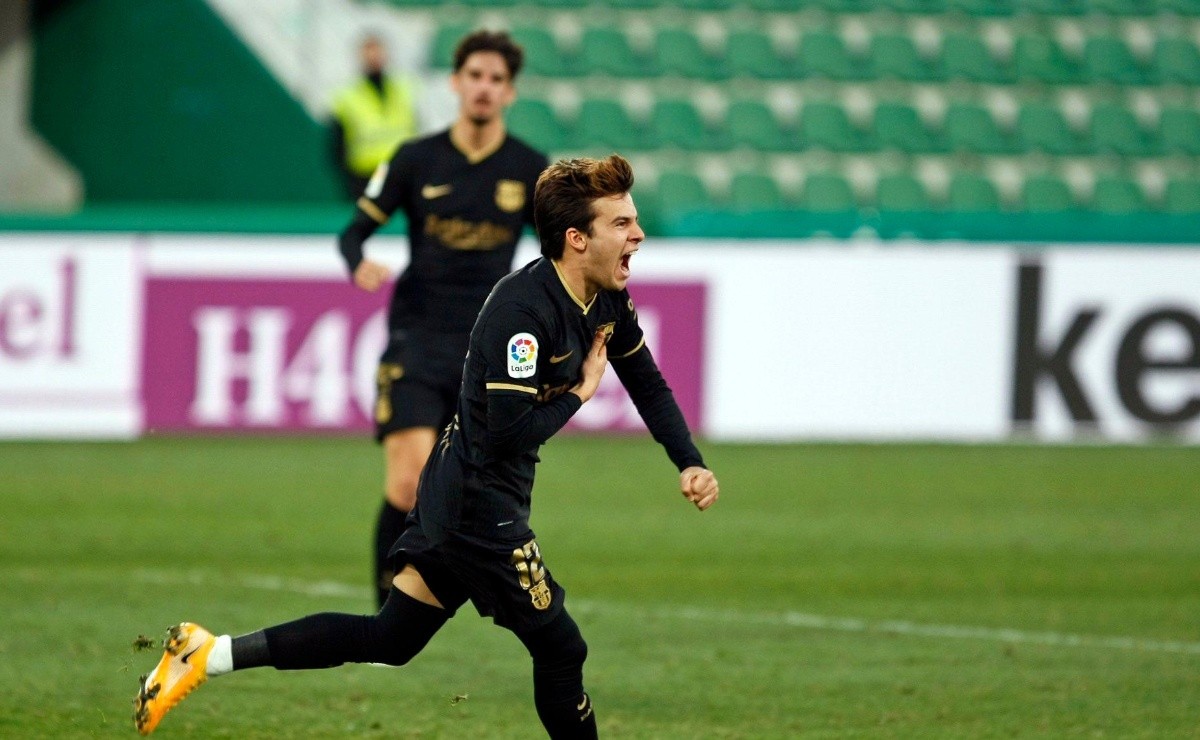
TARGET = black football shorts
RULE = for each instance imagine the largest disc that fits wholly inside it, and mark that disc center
(504, 580)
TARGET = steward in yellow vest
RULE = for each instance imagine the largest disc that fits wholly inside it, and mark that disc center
(371, 118)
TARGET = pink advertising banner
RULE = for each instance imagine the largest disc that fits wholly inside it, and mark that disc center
(299, 355)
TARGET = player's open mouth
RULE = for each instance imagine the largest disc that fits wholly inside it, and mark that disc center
(624, 267)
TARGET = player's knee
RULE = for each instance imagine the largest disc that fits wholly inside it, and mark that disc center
(402, 628)
(395, 653)
(573, 651)
(561, 646)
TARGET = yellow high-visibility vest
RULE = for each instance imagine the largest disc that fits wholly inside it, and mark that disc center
(374, 126)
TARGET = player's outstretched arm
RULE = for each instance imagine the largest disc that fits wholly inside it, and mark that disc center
(699, 486)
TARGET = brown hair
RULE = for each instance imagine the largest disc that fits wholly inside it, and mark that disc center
(565, 193)
(497, 41)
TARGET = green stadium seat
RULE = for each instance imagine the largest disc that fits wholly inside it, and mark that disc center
(826, 126)
(971, 128)
(900, 192)
(703, 5)
(897, 126)
(1114, 194)
(604, 123)
(846, 6)
(822, 54)
(751, 123)
(677, 123)
(1182, 196)
(1053, 7)
(445, 41)
(632, 4)
(1182, 7)
(983, 7)
(967, 57)
(752, 191)
(1179, 131)
(895, 55)
(607, 51)
(677, 51)
(972, 193)
(1045, 194)
(752, 54)
(681, 192)
(1108, 59)
(1115, 130)
(542, 56)
(535, 122)
(1042, 126)
(770, 6)
(1123, 7)
(1040, 58)
(827, 193)
(1177, 60)
(921, 7)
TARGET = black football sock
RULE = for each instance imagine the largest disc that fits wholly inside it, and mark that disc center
(393, 636)
(387, 530)
(558, 652)
(250, 651)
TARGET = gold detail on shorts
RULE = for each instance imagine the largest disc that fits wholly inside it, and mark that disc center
(388, 373)
(527, 559)
(510, 195)
(540, 595)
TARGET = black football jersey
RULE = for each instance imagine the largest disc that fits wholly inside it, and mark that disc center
(526, 352)
(465, 216)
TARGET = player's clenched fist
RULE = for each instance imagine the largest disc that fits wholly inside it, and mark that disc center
(370, 275)
(699, 486)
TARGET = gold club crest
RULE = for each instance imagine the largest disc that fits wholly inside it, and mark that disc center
(540, 595)
(510, 195)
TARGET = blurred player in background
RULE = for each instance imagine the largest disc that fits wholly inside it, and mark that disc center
(371, 118)
(538, 350)
(467, 193)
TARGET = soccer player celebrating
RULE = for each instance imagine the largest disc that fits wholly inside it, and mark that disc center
(537, 352)
(466, 193)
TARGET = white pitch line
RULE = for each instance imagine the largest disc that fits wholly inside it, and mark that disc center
(799, 620)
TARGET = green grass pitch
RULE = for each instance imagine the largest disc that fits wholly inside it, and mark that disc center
(834, 591)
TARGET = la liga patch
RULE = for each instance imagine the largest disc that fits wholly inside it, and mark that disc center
(522, 355)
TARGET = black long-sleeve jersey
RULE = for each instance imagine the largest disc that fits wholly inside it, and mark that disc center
(526, 351)
(465, 215)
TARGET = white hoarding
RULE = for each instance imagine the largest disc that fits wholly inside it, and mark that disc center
(70, 326)
(1107, 344)
(800, 340)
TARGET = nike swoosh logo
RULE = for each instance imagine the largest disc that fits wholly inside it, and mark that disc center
(429, 192)
(556, 360)
(184, 659)
(583, 703)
